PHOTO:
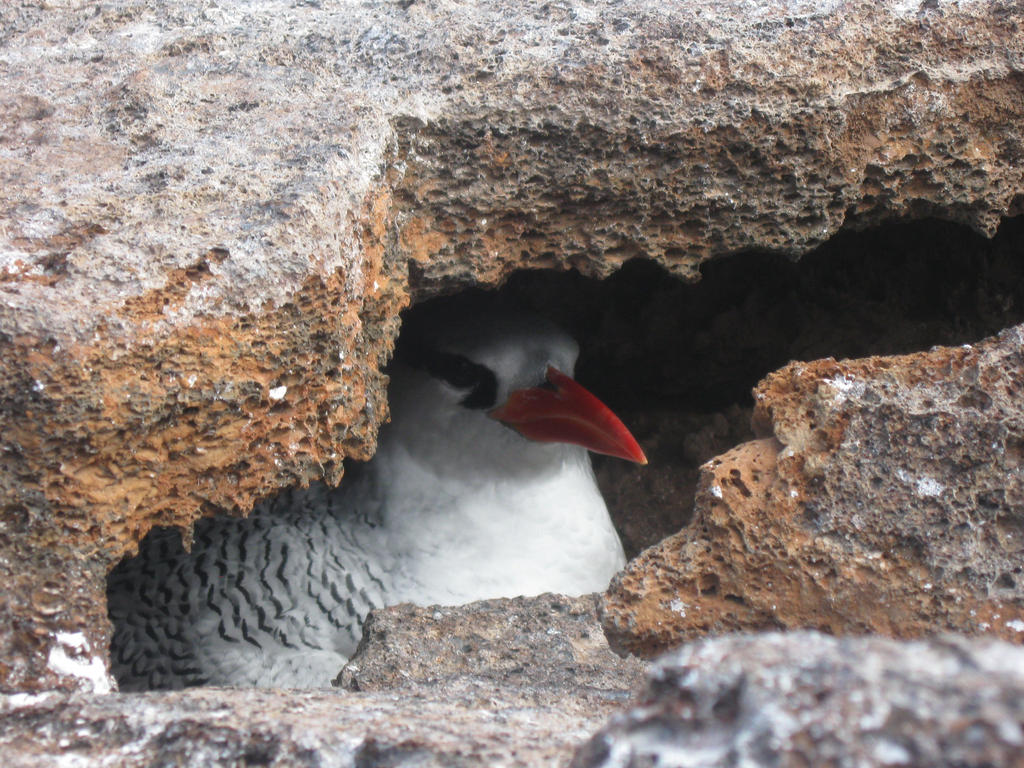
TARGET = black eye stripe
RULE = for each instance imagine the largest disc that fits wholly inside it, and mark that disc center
(460, 372)
(484, 394)
(455, 369)
(463, 373)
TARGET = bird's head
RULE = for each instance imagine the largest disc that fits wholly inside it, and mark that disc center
(499, 385)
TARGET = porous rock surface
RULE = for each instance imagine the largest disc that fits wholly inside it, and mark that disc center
(549, 641)
(803, 698)
(886, 495)
(211, 216)
(518, 682)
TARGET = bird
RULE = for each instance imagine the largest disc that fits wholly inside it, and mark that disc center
(481, 487)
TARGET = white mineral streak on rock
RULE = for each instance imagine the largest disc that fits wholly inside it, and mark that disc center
(90, 669)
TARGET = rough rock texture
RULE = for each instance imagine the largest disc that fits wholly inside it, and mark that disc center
(211, 215)
(462, 727)
(501, 683)
(550, 641)
(889, 499)
(805, 699)
(683, 116)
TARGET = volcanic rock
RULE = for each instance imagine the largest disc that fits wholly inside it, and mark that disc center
(211, 217)
(889, 498)
(807, 699)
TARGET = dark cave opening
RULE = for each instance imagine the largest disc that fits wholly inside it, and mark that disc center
(903, 287)
(677, 361)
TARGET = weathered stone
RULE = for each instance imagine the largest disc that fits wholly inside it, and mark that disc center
(888, 500)
(547, 642)
(804, 699)
(676, 120)
(518, 682)
(211, 217)
(468, 726)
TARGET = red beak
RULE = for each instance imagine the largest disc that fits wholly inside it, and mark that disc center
(568, 413)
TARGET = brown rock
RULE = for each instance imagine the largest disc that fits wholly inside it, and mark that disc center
(807, 699)
(888, 501)
(210, 220)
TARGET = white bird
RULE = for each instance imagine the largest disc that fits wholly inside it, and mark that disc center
(481, 487)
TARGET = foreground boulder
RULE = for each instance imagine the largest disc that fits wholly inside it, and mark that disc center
(807, 699)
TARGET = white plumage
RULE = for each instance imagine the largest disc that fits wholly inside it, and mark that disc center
(455, 506)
